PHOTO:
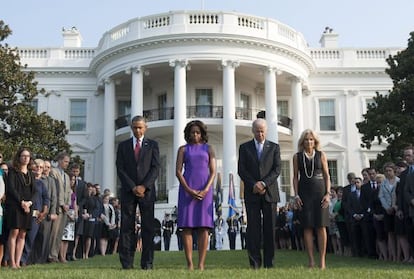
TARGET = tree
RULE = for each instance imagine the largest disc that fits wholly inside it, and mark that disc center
(391, 117)
(20, 125)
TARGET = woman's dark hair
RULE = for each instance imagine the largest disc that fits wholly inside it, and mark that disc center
(203, 130)
(16, 161)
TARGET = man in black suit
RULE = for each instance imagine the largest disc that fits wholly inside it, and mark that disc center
(406, 194)
(346, 193)
(370, 200)
(357, 211)
(137, 163)
(259, 168)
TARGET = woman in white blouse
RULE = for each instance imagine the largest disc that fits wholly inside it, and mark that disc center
(108, 217)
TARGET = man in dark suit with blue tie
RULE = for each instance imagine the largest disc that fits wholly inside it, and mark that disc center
(259, 168)
(137, 163)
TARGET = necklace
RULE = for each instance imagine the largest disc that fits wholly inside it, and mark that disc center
(27, 180)
(313, 164)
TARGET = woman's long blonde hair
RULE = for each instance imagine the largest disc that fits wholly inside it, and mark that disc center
(315, 137)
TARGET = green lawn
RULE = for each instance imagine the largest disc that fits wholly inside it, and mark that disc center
(220, 264)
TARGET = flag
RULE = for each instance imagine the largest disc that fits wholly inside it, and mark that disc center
(232, 198)
(218, 197)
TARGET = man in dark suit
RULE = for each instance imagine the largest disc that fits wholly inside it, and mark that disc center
(357, 211)
(259, 168)
(406, 195)
(137, 163)
(370, 201)
(82, 195)
(346, 193)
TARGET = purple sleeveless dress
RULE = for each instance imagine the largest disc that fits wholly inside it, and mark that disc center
(193, 213)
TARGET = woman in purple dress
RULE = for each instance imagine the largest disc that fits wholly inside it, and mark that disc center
(195, 196)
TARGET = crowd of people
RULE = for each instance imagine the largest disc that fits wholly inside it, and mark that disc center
(50, 214)
(370, 217)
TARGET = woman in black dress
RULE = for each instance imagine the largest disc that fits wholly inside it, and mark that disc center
(312, 186)
(19, 192)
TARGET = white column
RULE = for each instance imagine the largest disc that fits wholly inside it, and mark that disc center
(180, 115)
(271, 104)
(137, 89)
(229, 126)
(297, 115)
(108, 149)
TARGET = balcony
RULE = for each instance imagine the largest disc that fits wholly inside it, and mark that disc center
(205, 111)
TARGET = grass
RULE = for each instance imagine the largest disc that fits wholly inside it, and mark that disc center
(219, 264)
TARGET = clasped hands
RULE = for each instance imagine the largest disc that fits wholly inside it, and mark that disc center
(259, 188)
(198, 194)
(139, 191)
(26, 206)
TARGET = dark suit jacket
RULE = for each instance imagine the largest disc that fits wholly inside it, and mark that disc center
(133, 173)
(409, 193)
(402, 202)
(370, 198)
(267, 169)
(356, 205)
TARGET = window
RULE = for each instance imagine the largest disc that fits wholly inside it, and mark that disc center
(204, 101)
(370, 102)
(243, 111)
(35, 104)
(285, 178)
(327, 115)
(283, 108)
(78, 115)
(162, 106)
(162, 193)
(333, 172)
(124, 109)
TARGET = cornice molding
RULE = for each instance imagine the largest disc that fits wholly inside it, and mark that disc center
(158, 42)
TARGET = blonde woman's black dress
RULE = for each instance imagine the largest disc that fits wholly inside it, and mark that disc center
(311, 190)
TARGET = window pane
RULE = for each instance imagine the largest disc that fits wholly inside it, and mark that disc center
(285, 178)
(327, 115)
(333, 172)
(35, 105)
(162, 193)
(244, 101)
(327, 123)
(78, 115)
(204, 101)
(124, 108)
(282, 108)
(370, 102)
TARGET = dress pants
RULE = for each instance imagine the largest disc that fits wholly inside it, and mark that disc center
(128, 239)
(258, 230)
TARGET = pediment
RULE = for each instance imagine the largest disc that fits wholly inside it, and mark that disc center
(79, 148)
(332, 146)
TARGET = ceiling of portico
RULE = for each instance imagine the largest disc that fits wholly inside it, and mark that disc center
(163, 73)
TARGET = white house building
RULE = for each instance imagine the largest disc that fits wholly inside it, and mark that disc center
(219, 67)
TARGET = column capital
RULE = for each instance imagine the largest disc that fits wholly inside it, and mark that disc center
(297, 79)
(306, 91)
(107, 81)
(134, 69)
(178, 62)
(230, 63)
(353, 92)
(271, 69)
